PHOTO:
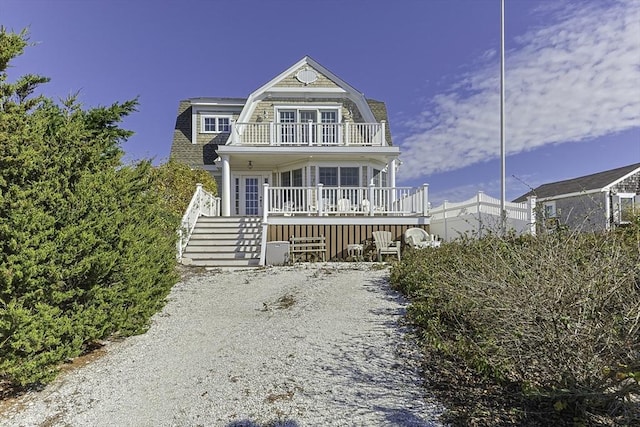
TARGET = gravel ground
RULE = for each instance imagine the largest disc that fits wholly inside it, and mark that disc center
(310, 345)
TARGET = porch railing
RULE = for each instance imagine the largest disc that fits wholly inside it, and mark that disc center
(311, 133)
(202, 203)
(322, 200)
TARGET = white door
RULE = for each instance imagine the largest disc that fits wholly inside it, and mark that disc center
(251, 201)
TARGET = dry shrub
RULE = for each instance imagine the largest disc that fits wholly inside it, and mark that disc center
(557, 314)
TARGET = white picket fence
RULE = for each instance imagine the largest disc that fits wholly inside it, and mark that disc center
(479, 215)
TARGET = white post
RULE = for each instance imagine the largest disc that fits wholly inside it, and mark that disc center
(371, 198)
(607, 209)
(444, 216)
(226, 186)
(346, 133)
(503, 209)
(310, 131)
(319, 200)
(234, 132)
(479, 210)
(199, 198)
(392, 180)
(272, 133)
(425, 199)
(266, 203)
(383, 130)
(531, 203)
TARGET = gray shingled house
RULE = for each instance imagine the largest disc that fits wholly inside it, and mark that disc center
(593, 202)
(306, 154)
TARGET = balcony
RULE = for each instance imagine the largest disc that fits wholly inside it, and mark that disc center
(309, 134)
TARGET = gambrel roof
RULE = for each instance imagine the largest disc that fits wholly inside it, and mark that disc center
(281, 84)
(594, 182)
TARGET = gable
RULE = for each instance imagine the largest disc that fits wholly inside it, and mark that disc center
(306, 76)
(307, 79)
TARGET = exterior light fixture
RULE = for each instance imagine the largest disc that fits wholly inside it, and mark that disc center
(250, 165)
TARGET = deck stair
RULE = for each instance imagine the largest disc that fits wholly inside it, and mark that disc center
(225, 242)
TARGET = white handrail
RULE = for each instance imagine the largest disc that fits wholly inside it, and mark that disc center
(202, 203)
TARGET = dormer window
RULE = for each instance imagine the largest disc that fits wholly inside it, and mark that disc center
(215, 124)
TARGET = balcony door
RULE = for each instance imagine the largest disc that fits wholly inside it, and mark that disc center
(308, 126)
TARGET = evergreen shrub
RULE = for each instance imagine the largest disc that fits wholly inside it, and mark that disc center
(87, 248)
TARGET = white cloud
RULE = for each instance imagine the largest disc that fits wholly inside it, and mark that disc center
(465, 192)
(574, 80)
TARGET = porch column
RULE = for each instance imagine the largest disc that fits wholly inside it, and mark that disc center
(226, 186)
(391, 167)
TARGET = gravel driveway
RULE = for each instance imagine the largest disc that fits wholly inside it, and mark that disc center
(310, 345)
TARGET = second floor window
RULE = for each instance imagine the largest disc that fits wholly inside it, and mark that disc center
(216, 124)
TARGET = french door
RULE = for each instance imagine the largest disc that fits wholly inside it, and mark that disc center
(251, 202)
(308, 126)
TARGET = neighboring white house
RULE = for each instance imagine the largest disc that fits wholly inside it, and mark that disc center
(593, 202)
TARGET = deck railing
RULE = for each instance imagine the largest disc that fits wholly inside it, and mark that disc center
(311, 133)
(323, 200)
(202, 203)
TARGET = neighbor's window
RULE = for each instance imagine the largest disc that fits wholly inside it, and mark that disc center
(550, 209)
(216, 124)
(625, 208)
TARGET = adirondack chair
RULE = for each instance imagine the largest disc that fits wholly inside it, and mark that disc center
(384, 244)
(419, 238)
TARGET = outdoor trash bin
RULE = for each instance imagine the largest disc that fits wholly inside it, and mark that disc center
(277, 253)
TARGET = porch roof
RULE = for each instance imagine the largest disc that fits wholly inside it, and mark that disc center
(269, 157)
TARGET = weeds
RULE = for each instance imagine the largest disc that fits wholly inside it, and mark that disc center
(555, 317)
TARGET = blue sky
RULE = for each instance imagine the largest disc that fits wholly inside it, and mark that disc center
(572, 73)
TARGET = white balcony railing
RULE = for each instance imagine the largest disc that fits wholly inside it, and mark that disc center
(322, 200)
(311, 133)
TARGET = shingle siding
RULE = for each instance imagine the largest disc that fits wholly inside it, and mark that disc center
(585, 212)
(292, 81)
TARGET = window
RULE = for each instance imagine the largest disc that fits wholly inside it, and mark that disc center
(624, 208)
(296, 176)
(216, 124)
(349, 177)
(328, 176)
(291, 178)
(550, 209)
(285, 179)
(344, 176)
(379, 178)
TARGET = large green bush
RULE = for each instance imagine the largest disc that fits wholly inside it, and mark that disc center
(86, 244)
(176, 184)
(557, 315)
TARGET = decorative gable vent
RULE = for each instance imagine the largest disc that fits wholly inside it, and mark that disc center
(307, 76)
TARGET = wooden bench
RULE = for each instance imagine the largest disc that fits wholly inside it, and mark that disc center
(303, 247)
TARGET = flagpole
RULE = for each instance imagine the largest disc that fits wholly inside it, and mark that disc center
(503, 211)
